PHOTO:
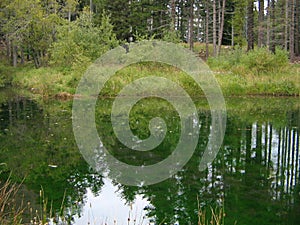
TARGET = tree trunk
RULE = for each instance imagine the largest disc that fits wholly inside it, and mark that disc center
(214, 28)
(261, 23)
(221, 27)
(292, 31)
(250, 27)
(8, 49)
(286, 25)
(91, 6)
(22, 56)
(268, 23)
(14, 55)
(36, 59)
(173, 12)
(219, 16)
(272, 26)
(180, 19)
(207, 30)
(199, 21)
(191, 25)
(297, 29)
(232, 35)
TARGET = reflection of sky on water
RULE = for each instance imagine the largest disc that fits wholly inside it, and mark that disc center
(110, 208)
(263, 150)
(279, 150)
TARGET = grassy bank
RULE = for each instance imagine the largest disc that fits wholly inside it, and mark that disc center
(258, 72)
(239, 74)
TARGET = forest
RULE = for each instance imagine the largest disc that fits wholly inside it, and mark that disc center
(63, 32)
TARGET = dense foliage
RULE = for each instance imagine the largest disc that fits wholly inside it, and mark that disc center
(68, 35)
(81, 30)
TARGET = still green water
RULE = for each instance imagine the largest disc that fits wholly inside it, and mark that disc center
(255, 177)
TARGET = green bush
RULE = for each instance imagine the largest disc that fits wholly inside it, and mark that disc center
(171, 35)
(261, 60)
(5, 74)
(80, 42)
(257, 61)
(226, 62)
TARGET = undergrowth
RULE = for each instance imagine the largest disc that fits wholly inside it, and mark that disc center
(257, 72)
(239, 73)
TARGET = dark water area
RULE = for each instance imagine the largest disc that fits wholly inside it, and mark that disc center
(255, 177)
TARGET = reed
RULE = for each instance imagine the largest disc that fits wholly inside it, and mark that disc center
(10, 211)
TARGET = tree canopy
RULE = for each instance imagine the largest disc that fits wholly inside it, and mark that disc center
(63, 32)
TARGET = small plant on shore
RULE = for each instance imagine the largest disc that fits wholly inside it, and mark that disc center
(10, 212)
(214, 216)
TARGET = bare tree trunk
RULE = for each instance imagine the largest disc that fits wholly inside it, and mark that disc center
(286, 25)
(214, 28)
(36, 59)
(268, 23)
(219, 16)
(91, 6)
(191, 25)
(250, 27)
(221, 27)
(22, 56)
(292, 31)
(272, 28)
(69, 15)
(199, 25)
(173, 12)
(207, 30)
(261, 23)
(232, 35)
(14, 55)
(28, 55)
(180, 18)
(297, 29)
(8, 48)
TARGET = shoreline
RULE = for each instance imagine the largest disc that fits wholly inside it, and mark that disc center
(61, 83)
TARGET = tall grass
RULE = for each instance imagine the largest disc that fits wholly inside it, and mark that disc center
(257, 72)
(14, 211)
(255, 62)
(215, 216)
(239, 73)
(11, 212)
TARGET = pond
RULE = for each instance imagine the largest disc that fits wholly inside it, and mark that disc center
(254, 178)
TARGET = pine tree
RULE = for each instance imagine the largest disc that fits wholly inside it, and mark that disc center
(221, 26)
(292, 31)
(239, 21)
(250, 25)
(261, 21)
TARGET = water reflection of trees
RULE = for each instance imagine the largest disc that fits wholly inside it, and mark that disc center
(262, 170)
(37, 143)
(255, 176)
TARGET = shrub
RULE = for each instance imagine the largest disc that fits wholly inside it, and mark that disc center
(171, 35)
(261, 60)
(80, 42)
(257, 61)
(5, 74)
(226, 62)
